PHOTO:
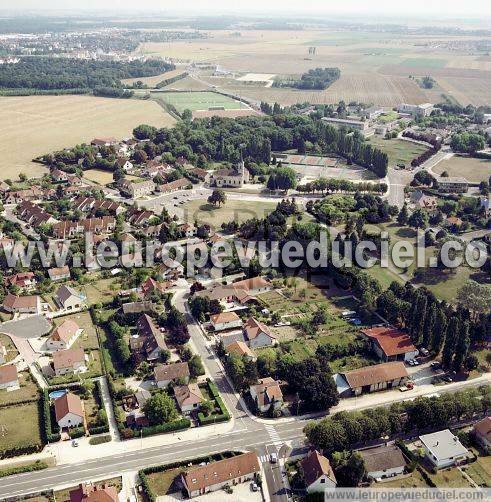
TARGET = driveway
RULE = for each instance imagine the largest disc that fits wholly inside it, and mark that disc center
(29, 327)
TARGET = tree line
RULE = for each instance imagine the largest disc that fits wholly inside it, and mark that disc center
(45, 73)
(317, 78)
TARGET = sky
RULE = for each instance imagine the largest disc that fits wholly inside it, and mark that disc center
(444, 8)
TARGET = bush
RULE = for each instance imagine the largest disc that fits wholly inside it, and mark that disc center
(100, 440)
(76, 432)
(35, 466)
(177, 425)
(101, 429)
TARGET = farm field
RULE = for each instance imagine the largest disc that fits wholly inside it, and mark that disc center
(374, 66)
(34, 125)
(474, 170)
(156, 79)
(398, 150)
(14, 436)
(195, 101)
(233, 210)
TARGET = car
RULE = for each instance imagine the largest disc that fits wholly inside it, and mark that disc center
(424, 351)
(447, 378)
(175, 197)
(415, 362)
(254, 487)
(435, 365)
(403, 388)
(273, 458)
(75, 443)
(410, 362)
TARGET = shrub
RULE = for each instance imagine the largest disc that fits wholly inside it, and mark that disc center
(100, 440)
(34, 466)
(77, 432)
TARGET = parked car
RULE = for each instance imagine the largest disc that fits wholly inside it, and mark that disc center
(435, 365)
(424, 351)
(75, 443)
(254, 487)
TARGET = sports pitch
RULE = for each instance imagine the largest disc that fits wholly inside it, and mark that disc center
(196, 101)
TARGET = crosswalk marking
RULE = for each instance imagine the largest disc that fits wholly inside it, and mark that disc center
(273, 434)
(264, 459)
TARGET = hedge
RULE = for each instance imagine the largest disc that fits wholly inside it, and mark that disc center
(16, 451)
(76, 432)
(177, 425)
(35, 466)
(224, 414)
(101, 429)
(100, 440)
(50, 436)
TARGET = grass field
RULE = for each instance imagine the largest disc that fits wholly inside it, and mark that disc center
(474, 170)
(34, 125)
(160, 482)
(195, 101)
(156, 79)
(12, 352)
(480, 471)
(28, 390)
(13, 434)
(102, 177)
(232, 210)
(398, 150)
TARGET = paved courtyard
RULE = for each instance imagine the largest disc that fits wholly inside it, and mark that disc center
(29, 327)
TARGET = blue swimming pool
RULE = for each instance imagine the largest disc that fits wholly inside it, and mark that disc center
(57, 393)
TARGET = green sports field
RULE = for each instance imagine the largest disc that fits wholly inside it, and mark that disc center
(195, 101)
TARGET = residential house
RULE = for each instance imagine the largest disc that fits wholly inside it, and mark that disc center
(124, 164)
(243, 292)
(84, 204)
(69, 411)
(69, 361)
(241, 349)
(383, 462)
(201, 174)
(33, 214)
(318, 473)
(482, 432)
(422, 110)
(266, 394)
(137, 217)
(108, 206)
(188, 397)
(453, 221)
(225, 320)
(138, 307)
(254, 285)
(170, 269)
(59, 273)
(8, 377)
(69, 299)
(174, 186)
(452, 184)
(443, 449)
(151, 286)
(68, 229)
(109, 141)
(213, 476)
(150, 342)
(187, 230)
(485, 205)
(390, 344)
(165, 374)
(22, 304)
(64, 335)
(258, 334)
(91, 493)
(21, 280)
(58, 176)
(371, 379)
(423, 201)
(18, 196)
(135, 189)
(234, 177)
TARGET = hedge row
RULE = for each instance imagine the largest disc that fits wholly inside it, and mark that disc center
(76, 432)
(16, 451)
(35, 466)
(50, 436)
(224, 414)
(100, 440)
(177, 425)
(101, 429)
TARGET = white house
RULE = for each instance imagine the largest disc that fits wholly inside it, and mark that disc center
(266, 393)
(213, 476)
(188, 397)
(8, 376)
(69, 299)
(69, 411)
(64, 335)
(383, 462)
(225, 320)
(318, 474)
(258, 334)
(443, 449)
(69, 361)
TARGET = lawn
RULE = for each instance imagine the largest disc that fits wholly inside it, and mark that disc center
(232, 210)
(88, 339)
(414, 480)
(195, 101)
(480, 471)
(398, 150)
(12, 352)
(28, 391)
(450, 478)
(19, 426)
(102, 177)
(35, 125)
(102, 291)
(160, 482)
(474, 170)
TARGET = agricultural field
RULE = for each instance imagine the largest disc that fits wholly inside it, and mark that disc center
(374, 66)
(153, 81)
(13, 436)
(34, 125)
(474, 170)
(398, 150)
(195, 101)
(232, 210)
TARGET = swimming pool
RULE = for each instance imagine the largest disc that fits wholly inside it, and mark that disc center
(57, 393)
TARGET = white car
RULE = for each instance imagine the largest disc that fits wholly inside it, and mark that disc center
(254, 487)
(75, 443)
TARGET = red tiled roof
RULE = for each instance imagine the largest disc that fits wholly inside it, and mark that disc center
(377, 373)
(314, 466)
(68, 403)
(8, 373)
(392, 341)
